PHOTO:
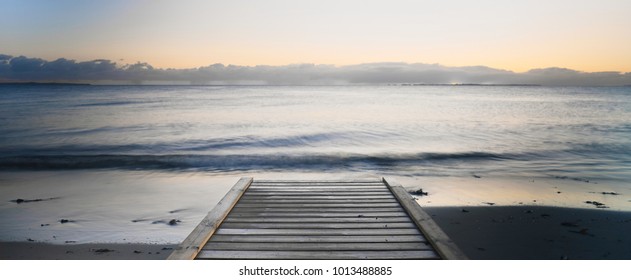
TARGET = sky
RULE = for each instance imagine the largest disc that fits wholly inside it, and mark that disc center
(517, 36)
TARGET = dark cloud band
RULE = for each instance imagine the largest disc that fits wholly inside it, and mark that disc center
(24, 69)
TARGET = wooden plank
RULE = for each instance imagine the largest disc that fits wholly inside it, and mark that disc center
(317, 238)
(317, 210)
(316, 196)
(311, 255)
(316, 214)
(316, 183)
(372, 181)
(189, 248)
(328, 192)
(316, 205)
(397, 225)
(315, 201)
(304, 246)
(325, 188)
(311, 196)
(355, 219)
(314, 190)
(266, 231)
(434, 234)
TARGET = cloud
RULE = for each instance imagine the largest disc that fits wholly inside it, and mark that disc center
(102, 71)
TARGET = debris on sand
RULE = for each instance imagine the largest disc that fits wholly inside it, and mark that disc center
(572, 178)
(101, 251)
(606, 193)
(22, 200)
(172, 222)
(419, 192)
(489, 203)
(476, 176)
(583, 231)
(63, 221)
(597, 204)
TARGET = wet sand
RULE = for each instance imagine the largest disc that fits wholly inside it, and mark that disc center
(91, 251)
(536, 232)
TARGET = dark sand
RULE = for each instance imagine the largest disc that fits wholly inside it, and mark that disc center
(536, 232)
(107, 251)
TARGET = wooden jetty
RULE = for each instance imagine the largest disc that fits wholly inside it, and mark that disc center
(358, 219)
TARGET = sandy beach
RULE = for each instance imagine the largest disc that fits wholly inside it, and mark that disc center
(536, 232)
(90, 251)
(483, 232)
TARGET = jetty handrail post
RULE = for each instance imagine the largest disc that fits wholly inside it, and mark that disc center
(190, 247)
(444, 246)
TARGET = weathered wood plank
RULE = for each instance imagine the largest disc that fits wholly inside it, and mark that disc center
(434, 234)
(397, 225)
(314, 184)
(265, 231)
(251, 214)
(304, 246)
(318, 238)
(316, 205)
(325, 192)
(371, 181)
(316, 196)
(355, 219)
(311, 196)
(189, 248)
(320, 187)
(317, 209)
(311, 255)
(315, 201)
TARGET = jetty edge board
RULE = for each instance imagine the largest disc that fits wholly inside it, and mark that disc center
(190, 247)
(444, 246)
(300, 219)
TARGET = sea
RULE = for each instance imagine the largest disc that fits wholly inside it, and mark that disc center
(110, 159)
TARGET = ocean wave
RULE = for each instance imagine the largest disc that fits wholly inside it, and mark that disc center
(242, 162)
(112, 103)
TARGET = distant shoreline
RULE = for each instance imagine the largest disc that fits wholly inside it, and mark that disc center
(44, 84)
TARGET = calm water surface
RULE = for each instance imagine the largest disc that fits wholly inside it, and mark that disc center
(576, 132)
